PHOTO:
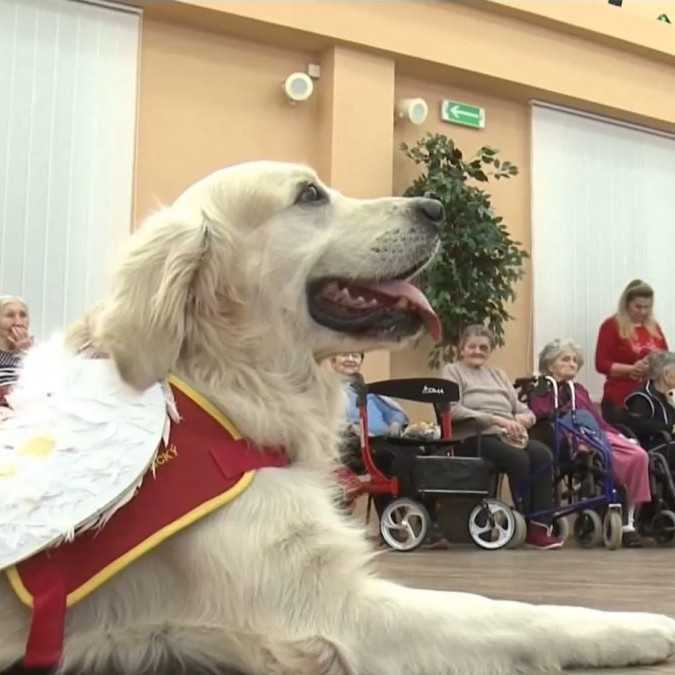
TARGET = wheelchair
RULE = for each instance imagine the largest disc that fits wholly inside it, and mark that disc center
(417, 484)
(657, 518)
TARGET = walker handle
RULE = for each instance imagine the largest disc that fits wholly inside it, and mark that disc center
(554, 387)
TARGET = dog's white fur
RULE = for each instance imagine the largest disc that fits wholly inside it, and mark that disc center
(279, 582)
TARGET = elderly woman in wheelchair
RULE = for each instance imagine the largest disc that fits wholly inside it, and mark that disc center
(386, 418)
(651, 411)
(421, 491)
(651, 416)
(560, 360)
(488, 405)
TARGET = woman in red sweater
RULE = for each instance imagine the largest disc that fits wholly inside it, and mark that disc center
(625, 340)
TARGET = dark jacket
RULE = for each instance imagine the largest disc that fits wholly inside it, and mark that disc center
(649, 415)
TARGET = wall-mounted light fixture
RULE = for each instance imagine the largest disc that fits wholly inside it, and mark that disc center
(298, 87)
(414, 110)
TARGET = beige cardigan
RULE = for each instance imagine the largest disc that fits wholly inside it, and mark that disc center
(483, 394)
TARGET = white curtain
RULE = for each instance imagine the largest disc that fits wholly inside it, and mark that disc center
(68, 77)
(602, 215)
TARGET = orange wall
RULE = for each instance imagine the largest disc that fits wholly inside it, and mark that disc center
(507, 129)
(605, 22)
(554, 49)
(209, 100)
(651, 9)
(355, 108)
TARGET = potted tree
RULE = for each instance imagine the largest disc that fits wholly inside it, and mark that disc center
(473, 277)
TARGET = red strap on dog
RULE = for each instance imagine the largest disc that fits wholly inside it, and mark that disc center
(247, 458)
(45, 639)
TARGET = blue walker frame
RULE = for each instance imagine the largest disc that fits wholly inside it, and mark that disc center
(567, 430)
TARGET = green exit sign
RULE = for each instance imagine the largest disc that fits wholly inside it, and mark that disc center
(465, 114)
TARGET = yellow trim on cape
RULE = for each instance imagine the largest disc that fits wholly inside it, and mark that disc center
(158, 537)
(205, 404)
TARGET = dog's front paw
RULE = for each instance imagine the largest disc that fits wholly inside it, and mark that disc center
(312, 656)
(626, 639)
(652, 637)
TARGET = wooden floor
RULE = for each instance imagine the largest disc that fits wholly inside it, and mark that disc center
(642, 580)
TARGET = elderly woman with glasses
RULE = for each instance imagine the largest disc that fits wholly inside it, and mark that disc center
(562, 360)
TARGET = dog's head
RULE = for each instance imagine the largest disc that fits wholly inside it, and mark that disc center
(261, 257)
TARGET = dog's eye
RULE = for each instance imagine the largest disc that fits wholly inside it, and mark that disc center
(310, 193)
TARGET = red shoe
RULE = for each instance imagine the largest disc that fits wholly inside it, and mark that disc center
(539, 536)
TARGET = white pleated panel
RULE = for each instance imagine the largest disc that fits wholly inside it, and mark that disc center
(68, 80)
(602, 215)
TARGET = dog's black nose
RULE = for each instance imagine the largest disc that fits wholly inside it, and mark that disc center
(432, 209)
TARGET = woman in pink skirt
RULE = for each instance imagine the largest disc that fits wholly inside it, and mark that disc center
(562, 359)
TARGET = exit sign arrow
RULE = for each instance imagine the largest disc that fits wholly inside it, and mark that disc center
(465, 114)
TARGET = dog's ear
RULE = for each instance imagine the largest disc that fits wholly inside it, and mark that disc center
(171, 270)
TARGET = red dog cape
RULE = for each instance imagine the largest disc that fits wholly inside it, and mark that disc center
(204, 465)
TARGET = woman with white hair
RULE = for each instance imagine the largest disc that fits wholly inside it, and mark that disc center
(14, 340)
(650, 411)
(562, 360)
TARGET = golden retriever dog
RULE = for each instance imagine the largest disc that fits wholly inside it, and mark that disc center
(241, 287)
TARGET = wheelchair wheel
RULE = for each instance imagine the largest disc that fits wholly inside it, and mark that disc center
(663, 527)
(612, 530)
(404, 524)
(492, 524)
(519, 536)
(561, 528)
(588, 529)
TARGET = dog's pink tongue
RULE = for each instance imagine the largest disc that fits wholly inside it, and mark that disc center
(404, 289)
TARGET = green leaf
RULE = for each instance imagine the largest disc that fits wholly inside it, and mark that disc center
(474, 276)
